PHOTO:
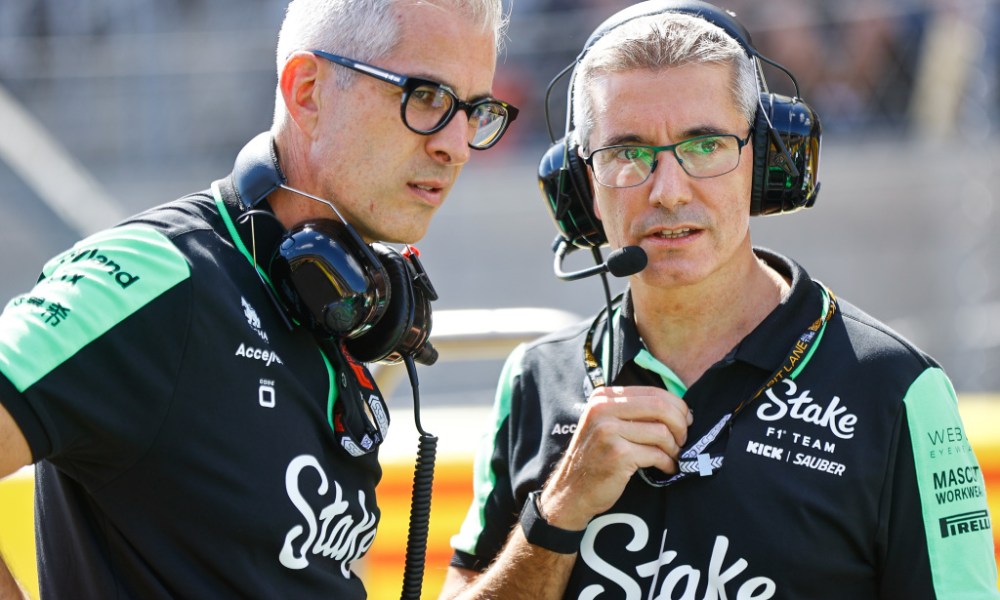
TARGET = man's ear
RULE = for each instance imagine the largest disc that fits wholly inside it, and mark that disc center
(300, 88)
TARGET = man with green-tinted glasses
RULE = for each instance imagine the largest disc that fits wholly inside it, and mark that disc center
(728, 428)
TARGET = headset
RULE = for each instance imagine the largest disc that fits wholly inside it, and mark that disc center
(372, 296)
(786, 138)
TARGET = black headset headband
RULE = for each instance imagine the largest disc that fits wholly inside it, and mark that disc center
(786, 138)
(256, 172)
(725, 20)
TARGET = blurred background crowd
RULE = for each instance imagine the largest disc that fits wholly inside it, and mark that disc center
(113, 78)
(110, 106)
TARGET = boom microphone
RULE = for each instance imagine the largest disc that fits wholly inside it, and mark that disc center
(620, 263)
(627, 261)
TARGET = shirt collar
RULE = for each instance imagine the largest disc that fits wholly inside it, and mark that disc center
(766, 347)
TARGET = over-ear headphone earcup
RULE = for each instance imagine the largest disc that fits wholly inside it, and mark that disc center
(761, 147)
(785, 176)
(328, 283)
(406, 324)
(562, 177)
(383, 336)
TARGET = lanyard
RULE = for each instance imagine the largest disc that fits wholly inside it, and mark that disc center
(357, 430)
(696, 458)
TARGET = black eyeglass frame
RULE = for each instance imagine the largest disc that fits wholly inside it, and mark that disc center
(740, 143)
(409, 84)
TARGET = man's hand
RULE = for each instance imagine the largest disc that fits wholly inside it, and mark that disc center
(622, 430)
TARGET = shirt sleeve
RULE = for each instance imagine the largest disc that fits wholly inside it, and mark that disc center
(493, 511)
(90, 353)
(938, 541)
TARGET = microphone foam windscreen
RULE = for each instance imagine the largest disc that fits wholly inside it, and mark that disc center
(627, 261)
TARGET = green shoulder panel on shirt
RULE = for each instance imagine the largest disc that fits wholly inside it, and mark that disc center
(82, 294)
(484, 480)
(952, 492)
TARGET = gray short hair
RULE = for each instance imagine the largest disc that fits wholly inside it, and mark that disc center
(365, 30)
(658, 42)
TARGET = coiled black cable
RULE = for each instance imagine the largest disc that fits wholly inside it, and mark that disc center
(420, 504)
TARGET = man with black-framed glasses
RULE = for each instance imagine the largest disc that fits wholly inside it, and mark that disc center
(728, 427)
(191, 383)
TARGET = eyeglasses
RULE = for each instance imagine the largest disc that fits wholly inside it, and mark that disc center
(701, 157)
(428, 106)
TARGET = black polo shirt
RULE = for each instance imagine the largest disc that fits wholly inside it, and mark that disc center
(182, 428)
(850, 477)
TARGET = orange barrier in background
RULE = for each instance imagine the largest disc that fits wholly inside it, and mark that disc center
(17, 528)
(981, 416)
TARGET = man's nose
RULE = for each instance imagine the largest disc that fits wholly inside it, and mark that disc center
(450, 145)
(670, 185)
